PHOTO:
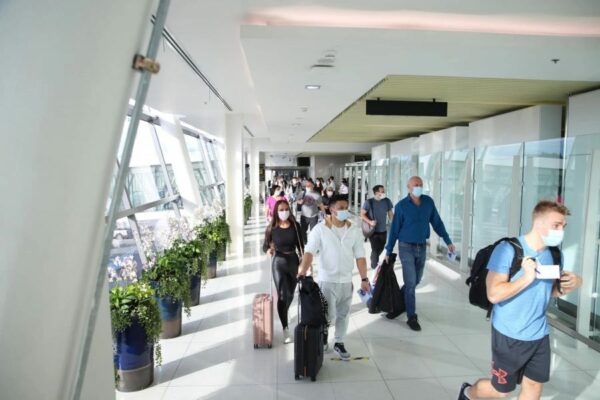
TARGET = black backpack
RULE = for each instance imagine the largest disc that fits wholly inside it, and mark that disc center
(312, 303)
(477, 279)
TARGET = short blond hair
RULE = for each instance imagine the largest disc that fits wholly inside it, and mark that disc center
(546, 206)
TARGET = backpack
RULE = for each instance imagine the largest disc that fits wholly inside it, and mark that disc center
(477, 279)
(312, 303)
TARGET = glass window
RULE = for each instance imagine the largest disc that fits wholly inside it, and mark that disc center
(454, 171)
(124, 263)
(211, 149)
(146, 181)
(494, 172)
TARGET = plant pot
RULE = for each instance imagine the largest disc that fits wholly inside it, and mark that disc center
(221, 251)
(195, 286)
(170, 315)
(212, 265)
(133, 359)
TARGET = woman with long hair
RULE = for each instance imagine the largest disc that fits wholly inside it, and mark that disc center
(282, 241)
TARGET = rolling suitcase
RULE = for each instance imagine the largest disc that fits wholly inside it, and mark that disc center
(262, 318)
(308, 351)
(310, 333)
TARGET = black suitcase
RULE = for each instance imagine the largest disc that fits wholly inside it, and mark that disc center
(308, 351)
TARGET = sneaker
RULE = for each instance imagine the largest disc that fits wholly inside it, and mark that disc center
(461, 394)
(341, 351)
(286, 336)
(413, 323)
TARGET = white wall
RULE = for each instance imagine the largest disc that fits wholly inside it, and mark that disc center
(63, 95)
(325, 166)
(380, 152)
(404, 147)
(529, 124)
(584, 114)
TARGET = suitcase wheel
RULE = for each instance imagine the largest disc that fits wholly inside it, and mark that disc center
(297, 377)
(255, 346)
(270, 346)
(313, 378)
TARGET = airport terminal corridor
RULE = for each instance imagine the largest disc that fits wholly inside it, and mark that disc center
(214, 358)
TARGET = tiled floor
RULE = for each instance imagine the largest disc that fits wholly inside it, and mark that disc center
(215, 358)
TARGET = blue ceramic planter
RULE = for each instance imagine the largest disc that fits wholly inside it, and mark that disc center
(195, 284)
(170, 315)
(133, 359)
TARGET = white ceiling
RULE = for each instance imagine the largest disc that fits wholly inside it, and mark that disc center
(258, 53)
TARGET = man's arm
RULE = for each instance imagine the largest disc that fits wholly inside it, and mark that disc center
(440, 229)
(361, 264)
(498, 287)
(365, 217)
(394, 230)
(306, 263)
(568, 282)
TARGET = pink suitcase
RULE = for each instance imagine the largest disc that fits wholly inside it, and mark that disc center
(262, 320)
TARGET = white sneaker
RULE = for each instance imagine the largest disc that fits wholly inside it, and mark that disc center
(286, 336)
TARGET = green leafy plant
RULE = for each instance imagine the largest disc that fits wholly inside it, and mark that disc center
(247, 207)
(218, 232)
(170, 274)
(136, 302)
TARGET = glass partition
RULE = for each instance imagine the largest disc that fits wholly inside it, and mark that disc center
(452, 198)
(497, 173)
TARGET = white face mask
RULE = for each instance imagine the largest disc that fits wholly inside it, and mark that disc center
(283, 215)
(329, 194)
(554, 237)
(380, 196)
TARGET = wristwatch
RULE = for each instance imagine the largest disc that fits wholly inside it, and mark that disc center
(364, 280)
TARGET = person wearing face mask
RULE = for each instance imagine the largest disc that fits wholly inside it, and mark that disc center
(410, 227)
(327, 198)
(520, 332)
(340, 246)
(376, 212)
(310, 201)
(282, 242)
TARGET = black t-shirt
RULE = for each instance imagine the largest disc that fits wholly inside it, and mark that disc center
(285, 240)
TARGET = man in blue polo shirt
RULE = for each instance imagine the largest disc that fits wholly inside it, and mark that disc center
(520, 341)
(410, 227)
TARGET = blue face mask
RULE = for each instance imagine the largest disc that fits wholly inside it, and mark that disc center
(417, 191)
(342, 215)
(554, 238)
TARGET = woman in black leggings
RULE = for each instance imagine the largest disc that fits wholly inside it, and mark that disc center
(282, 239)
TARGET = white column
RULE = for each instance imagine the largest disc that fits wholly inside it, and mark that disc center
(63, 94)
(234, 184)
(254, 174)
(174, 141)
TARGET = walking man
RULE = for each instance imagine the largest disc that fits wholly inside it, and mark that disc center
(311, 202)
(340, 245)
(376, 212)
(410, 227)
(520, 340)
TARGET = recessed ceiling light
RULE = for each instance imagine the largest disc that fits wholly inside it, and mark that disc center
(312, 87)
(304, 109)
(295, 124)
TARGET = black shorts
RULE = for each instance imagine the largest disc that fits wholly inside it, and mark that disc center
(512, 359)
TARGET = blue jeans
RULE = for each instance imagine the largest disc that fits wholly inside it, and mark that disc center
(412, 257)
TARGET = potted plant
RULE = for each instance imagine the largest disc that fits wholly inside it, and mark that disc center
(136, 329)
(247, 207)
(194, 251)
(168, 275)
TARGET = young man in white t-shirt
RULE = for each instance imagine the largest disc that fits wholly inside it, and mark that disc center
(340, 246)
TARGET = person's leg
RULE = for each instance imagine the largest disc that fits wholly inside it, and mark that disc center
(344, 301)
(374, 255)
(420, 257)
(536, 371)
(278, 267)
(409, 274)
(304, 227)
(313, 222)
(483, 389)
(328, 290)
(290, 281)
(530, 389)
